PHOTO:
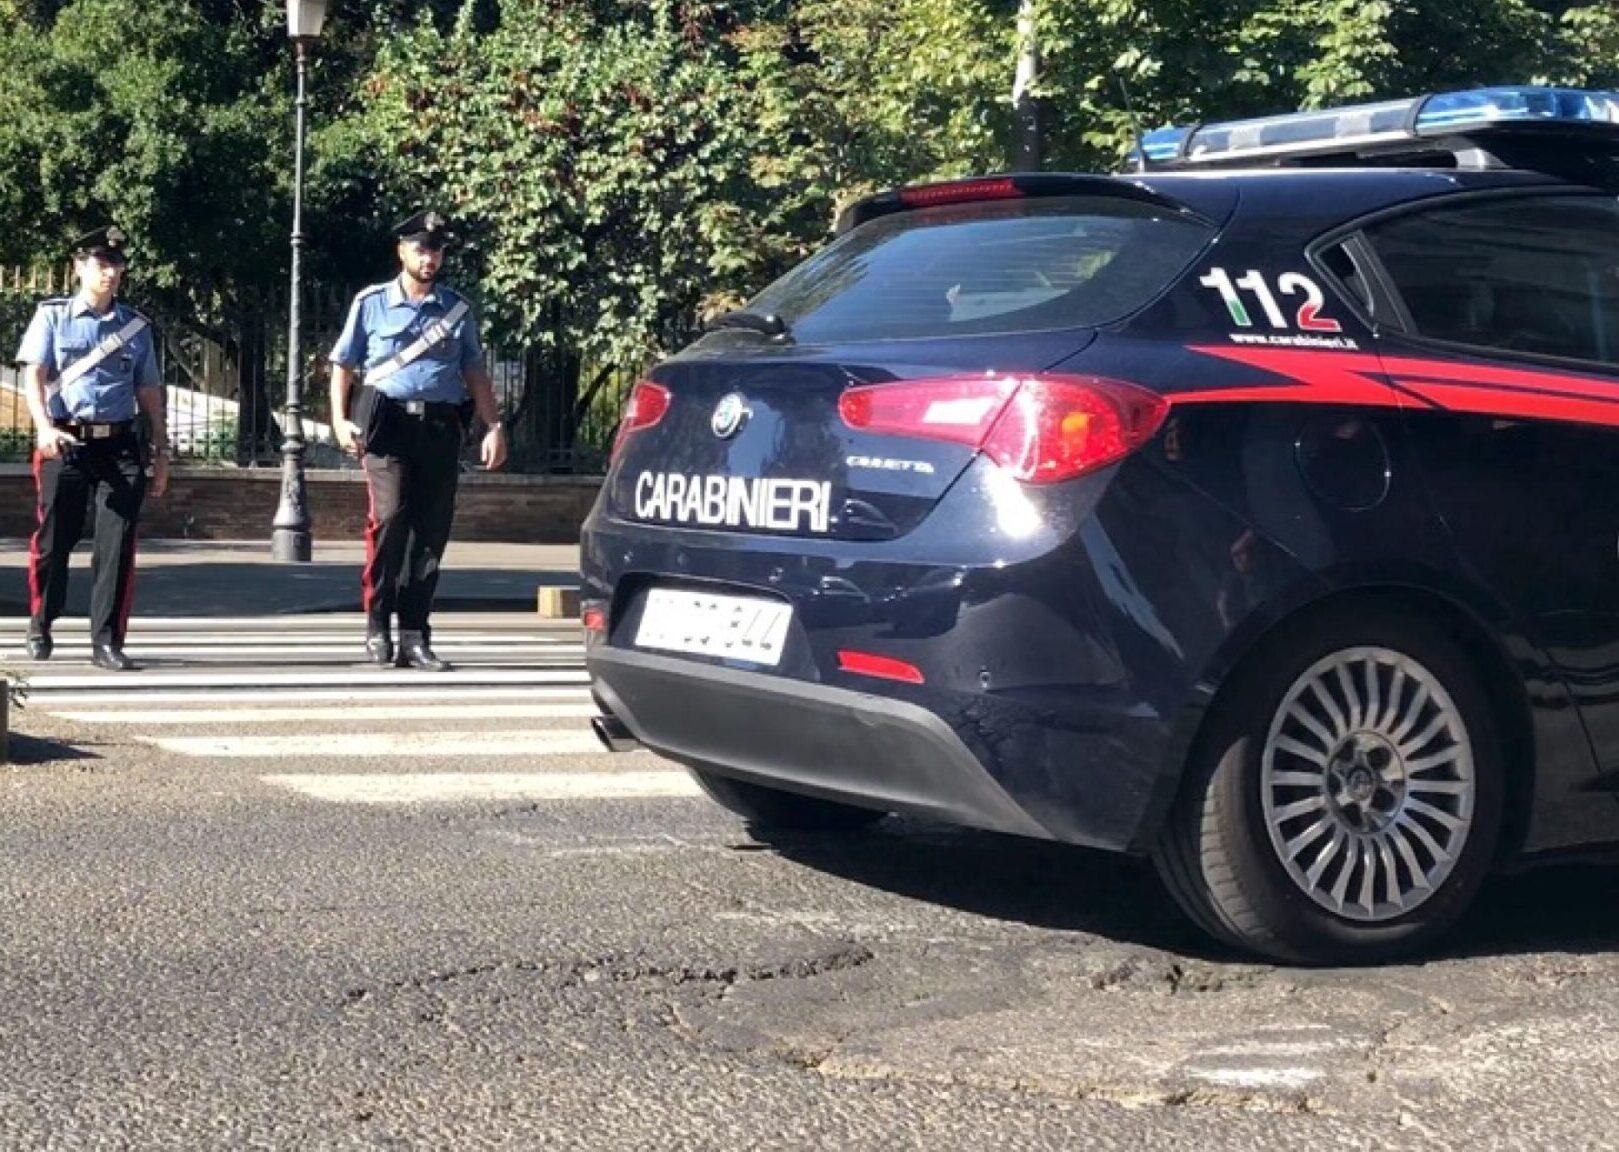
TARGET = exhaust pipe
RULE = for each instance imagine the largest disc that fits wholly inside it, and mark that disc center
(615, 737)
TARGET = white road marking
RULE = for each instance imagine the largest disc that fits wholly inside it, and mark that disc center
(440, 787)
(428, 695)
(349, 653)
(1257, 1077)
(478, 709)
(225, 637)
(305, 621)
(447, 745)
(357, 678)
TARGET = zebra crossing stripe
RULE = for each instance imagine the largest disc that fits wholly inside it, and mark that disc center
(344, 653)
(357, 678)
(337, 715)
(449, 745)
(454, 786)
(473, 709)
(427, 695)
(319, 622)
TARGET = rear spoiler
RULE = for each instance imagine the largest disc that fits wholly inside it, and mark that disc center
(1011, 186)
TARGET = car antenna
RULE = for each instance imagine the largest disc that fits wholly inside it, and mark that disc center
(1135, 122)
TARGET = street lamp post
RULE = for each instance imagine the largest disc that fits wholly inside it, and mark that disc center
(291, 537)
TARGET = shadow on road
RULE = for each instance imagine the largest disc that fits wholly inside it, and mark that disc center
(1031, 882)
(24, 751)
(1559, 908)
(1562, 908)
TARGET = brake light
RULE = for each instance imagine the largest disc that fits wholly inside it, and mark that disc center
(959, 192)
(645, 407)
(1041, 429)
(882, 667)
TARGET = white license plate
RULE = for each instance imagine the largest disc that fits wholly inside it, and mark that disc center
(736, 627)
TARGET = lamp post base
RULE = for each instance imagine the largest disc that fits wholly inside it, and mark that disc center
(290, 546)
(292, 537)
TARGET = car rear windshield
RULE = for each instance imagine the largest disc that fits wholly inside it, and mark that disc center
(1004, 266)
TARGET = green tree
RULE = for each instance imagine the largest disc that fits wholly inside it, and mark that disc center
(153, 115)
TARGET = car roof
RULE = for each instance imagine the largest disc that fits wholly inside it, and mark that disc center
(1314, 200)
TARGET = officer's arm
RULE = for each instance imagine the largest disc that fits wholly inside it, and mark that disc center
(35, 381)
(481, 387)
(492, 453)
(342, 385)
(153, 408)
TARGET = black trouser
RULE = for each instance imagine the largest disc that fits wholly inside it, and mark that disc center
(110, 472)
(411, 467)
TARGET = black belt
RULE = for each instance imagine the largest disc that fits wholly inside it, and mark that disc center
(93, 430)
(427, 409)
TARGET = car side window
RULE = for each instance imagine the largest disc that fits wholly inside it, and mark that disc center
(1536, 275)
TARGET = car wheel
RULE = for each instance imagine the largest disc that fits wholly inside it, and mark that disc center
(1345, 802)
(772, 808)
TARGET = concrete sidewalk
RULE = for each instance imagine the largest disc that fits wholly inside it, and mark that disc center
(238, 578)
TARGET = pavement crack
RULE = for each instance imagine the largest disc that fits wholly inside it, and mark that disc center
(612, 970)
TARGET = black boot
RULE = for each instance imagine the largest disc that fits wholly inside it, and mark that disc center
(379, 647)
(111, 657)
(415, 653)
(40, 645)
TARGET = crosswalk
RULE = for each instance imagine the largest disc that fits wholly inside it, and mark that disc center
(293, 700)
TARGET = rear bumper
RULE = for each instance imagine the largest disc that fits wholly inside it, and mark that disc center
(832, 743)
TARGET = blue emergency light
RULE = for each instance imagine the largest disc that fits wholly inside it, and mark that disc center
(1381, 125)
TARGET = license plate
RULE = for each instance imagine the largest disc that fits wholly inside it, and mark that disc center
(735, 627)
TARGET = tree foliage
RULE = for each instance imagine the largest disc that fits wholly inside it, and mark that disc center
(619, 165)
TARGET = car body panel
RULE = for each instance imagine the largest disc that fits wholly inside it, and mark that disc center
(1072, 636)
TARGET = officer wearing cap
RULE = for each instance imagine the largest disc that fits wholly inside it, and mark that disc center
(416, 342)
(89, 366)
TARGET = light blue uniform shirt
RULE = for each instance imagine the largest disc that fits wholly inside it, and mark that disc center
(66, 330)
(384, 321)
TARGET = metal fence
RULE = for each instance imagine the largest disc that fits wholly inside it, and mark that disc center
(225, 384)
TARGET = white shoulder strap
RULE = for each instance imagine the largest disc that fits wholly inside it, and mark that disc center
(431, 337)
(101, 351)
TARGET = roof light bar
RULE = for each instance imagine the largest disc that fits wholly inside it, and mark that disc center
(1387, 122)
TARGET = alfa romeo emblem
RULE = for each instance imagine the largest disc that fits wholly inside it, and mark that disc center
(729, 415)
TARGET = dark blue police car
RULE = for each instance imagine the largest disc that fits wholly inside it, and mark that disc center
(1257, 511)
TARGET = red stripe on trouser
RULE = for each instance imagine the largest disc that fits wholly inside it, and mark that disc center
(127, 603)
(368, 575)
(36, 592)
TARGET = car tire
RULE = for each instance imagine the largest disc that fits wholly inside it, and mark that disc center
(1401, 774)
(769, 809)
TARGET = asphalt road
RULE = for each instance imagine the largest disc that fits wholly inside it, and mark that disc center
(357, 909)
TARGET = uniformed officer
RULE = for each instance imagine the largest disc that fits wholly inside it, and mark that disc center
(417, 343)
(89, 365)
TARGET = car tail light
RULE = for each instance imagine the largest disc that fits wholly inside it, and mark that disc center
(960, 192)
(882, 667)
(1041, 429)
(645, 407)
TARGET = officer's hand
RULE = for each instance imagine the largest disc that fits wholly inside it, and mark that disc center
(159, 483)
(493, 452)
(52, 441)
(349, 436)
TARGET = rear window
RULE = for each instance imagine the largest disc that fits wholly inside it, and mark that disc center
(1005, 266)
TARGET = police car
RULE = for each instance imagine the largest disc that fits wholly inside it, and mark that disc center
(1257, 511)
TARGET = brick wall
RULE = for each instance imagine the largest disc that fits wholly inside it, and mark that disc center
(228, 504)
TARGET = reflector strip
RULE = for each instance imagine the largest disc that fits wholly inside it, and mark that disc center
(882, 667)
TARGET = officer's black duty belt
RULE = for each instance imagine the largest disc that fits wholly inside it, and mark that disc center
(84, 430)
(428, 408)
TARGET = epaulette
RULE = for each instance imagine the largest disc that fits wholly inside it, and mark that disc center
(373, 290)
(136, 314)
(55, 301)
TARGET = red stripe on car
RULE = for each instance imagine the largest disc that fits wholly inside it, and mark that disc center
(1358, 379)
